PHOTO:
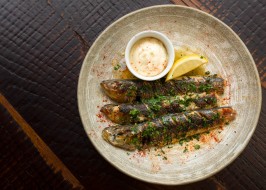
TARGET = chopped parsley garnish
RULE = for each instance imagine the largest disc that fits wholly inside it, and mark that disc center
(134, 129)
(150, 132)
(216, 116)
(205, 87)
(117, 67)
(185, 150)
(134, 112)
(132, 88)
(192, 87)
(197, 146)
(197, 136)
(207, 72)
(136, 142)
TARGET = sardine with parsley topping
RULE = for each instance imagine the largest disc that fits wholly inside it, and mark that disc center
(124, 91)
(167, 129)
(155, 107)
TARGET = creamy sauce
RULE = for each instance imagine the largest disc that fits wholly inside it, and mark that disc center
(148, 57)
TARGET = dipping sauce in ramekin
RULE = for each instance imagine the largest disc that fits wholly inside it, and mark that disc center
(149, 55)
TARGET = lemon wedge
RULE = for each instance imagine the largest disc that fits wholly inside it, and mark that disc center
(185, 64)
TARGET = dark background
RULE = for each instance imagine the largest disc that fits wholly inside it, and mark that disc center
(42, 46)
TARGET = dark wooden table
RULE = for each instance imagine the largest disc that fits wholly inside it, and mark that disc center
(42, 142)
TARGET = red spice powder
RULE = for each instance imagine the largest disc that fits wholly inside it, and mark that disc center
(214, 136)
(101, 118)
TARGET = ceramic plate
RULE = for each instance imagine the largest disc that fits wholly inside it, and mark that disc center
(228, 57)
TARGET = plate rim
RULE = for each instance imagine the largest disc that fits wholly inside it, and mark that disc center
(258, 111)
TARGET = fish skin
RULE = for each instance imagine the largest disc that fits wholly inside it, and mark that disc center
(167, 129)
(125, 91)
(121, 113)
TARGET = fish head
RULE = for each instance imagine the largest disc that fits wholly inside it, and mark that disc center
(108, 109)
(119, 136)
(120, 90)
(113, 112)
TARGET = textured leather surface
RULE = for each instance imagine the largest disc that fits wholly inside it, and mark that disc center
(43, 44)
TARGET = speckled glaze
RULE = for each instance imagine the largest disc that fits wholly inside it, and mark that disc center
(228, 57)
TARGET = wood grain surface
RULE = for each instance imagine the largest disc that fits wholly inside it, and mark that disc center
(43, 44)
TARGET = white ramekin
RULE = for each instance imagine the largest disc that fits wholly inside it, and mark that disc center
(169, 48)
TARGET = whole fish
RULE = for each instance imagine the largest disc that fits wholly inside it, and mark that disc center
(152, 108)
(167, 129)
(124, 91)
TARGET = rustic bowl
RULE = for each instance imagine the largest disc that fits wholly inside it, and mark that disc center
(228, 57)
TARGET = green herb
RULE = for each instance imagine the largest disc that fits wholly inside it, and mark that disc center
(205, 122)
(214, 100)
(187, 139)
(196, 136)
(150, 131)
(162, 151)
(185, 150)
(201, 57)
(132, 87)
(172, 91)
(186, 101)
(216, 116)
(168, 139)
(129, 93)
(197, 146)
(117, 67)
(164, 129)
(164, 158)
(134, 129)
(181, 141)
(134, 112)
(155, 103)
(188, 86)
(165, 121)
(158, 154)
(128, 153)
(207, 72)
(205, 87)
(174, 119)
(135, 141)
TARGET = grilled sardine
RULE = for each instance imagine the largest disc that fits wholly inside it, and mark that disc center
(152, 108)
(131, 90)
(167, 129)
